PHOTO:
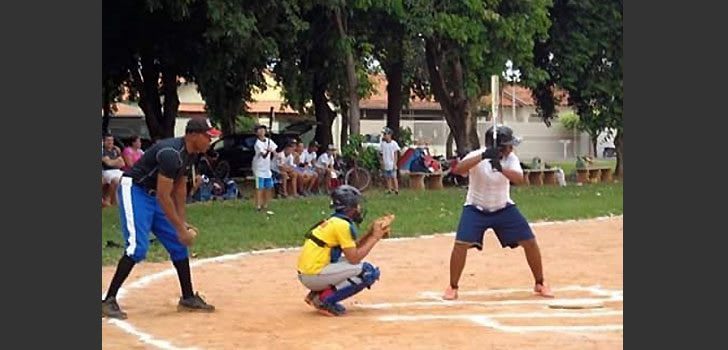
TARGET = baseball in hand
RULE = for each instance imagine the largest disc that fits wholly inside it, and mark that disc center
(192, 233)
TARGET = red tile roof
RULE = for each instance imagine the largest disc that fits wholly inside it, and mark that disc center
(378, 99)
(253, 107)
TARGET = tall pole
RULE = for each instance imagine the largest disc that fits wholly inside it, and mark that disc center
(514, 102)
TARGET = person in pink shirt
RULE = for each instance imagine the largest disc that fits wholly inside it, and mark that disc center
(132, 153)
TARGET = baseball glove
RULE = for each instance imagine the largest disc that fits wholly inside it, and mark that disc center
(384, 221)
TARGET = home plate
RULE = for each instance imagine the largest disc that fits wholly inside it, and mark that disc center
(575, 304)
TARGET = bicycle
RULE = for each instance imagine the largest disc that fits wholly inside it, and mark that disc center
(357, 176)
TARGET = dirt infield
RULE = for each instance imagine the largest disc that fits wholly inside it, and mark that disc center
(260, 301)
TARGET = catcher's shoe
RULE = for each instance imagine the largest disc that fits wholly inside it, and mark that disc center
(110, 308)
(312, 298)
(194, 303)
(543, 290)
(450, 293)
(331, 309)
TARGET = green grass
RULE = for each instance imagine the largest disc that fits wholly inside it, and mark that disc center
(234, 226)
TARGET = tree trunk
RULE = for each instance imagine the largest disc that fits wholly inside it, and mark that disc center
(448, 145)
(395, 94)
(594, 140)
(324, 114)
(344, 123)
(457, 127)
(106, 108)
(147, 82)
(228, 125)
(450, 93)
(229, 117)
(351, 79)
(471, 123)
(171, 102)
(619, 147)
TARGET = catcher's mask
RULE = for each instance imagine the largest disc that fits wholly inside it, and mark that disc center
(347, 199)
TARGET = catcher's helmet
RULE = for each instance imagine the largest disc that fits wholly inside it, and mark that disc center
(345, 197)
(505, 137)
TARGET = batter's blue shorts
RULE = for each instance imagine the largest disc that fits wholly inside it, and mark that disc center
(508, 224)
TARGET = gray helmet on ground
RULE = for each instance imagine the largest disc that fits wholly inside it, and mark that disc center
(345, 197)
(504, 136)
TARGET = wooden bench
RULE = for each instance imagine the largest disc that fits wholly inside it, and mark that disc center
(540, 177)
(421, 181)
(594, 175)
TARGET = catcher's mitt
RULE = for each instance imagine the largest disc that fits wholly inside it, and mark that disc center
(385, 222)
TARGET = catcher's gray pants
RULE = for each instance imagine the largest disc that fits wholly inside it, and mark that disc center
(331, 275)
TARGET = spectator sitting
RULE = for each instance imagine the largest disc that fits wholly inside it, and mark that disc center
(132, 152)
(199, 172)
(304, 161)
(325, 166)
(111, 164)
(283, 165)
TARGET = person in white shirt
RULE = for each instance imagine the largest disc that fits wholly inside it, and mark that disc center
(325, 165)
(265, 150)
(388, 157)
(284, 166)
(488, 205)
(304, 161)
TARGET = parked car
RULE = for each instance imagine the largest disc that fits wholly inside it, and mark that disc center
(123, 128)
(371, 140)
(236, 152)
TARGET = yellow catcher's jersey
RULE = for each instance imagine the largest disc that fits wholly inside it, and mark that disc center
(335, 232)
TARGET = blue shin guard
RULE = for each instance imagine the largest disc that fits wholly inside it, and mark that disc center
(354, 285)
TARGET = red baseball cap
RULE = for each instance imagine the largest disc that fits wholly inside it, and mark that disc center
(201, 125)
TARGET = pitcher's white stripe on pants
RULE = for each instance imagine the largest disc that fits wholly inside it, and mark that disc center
(126, 184)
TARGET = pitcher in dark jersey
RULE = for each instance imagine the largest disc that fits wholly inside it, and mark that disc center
(152, 197)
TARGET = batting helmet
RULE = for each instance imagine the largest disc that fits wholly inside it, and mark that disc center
(345, 197)
(504, 135)
(386, 130)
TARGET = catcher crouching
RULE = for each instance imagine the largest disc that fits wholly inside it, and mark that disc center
(330, 276)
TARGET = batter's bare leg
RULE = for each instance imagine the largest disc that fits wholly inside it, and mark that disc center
(457, 264)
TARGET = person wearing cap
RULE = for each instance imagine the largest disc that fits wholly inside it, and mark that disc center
(488, 205)
(388, 156)
(152, 196)
(265, 150)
